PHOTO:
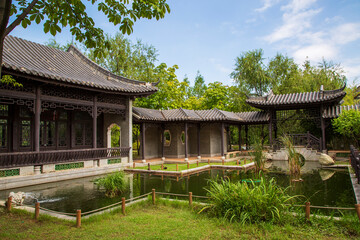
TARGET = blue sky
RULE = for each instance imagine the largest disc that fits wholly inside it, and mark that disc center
(208, 35)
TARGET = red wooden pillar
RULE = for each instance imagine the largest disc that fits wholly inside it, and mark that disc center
(239, 130)
(198, 141)
(143, 142)
(37, 119)
(94, 115)
(222, 140)
(186, 142)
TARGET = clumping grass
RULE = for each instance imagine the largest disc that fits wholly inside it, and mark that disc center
(114, 183)
(248, 201)
(259, 158)
(183, 166)
(170, 220)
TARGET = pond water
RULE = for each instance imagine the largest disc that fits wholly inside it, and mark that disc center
(321, 187)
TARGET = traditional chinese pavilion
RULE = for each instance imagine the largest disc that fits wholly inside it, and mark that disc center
(63, 110)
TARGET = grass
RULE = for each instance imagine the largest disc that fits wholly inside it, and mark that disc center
(172, 166)
(169, 220)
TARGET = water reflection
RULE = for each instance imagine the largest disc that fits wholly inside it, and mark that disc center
(320, 187)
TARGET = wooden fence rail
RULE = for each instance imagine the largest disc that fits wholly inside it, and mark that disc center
(355, 162)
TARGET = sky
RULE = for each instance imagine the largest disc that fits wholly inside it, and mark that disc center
(208, 35)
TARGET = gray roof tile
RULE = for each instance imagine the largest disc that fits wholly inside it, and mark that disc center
(69, 67)
(335, 111)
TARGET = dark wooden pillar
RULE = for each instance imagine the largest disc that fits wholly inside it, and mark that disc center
(37, 119)
(222, 139)
(186, 142)
(323, 142)
(162, 141)
(274, 120)
(271, 128)
(143, 141)
(239, 130)
(246, 137)
(198, 140)
(94, 115)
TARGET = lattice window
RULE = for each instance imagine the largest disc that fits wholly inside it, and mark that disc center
(25, 136)
(3, 133)
(114, 161)
(67, 166)
(45, 105)
(10, 172)
(62, 132)
(115, 99)
(82, 129)
(65, 92)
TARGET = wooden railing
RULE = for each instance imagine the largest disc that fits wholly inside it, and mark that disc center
(17, 159)
(355, 162)
(307, 140)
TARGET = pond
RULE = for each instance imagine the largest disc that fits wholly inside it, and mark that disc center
(321, 187)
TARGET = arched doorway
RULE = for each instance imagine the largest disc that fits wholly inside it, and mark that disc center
(113, 136)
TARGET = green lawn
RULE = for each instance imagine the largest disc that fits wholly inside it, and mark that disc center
(169, 220)
(172, 167)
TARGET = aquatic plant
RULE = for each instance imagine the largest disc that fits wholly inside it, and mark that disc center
(294, 158)
(247, 202)
(259, 158)
(114, 183)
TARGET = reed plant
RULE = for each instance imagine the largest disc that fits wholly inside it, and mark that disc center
(259, 158)
(247, 202)
(114, 183)
(294, 158)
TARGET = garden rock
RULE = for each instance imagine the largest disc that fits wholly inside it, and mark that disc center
(17, 198)
(326, 174)
(267, 156)
(326, 160)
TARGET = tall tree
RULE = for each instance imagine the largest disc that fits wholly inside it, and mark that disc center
(199, 87)
(56, 14)
(250, 72)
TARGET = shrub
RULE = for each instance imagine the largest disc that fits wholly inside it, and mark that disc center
(114, 183)
(259, 159)
(247, 202)
(294, 158)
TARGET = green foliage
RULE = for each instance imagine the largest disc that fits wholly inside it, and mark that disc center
(115, 136)
(73, 14)
(114, 183)
(348, 125)
(9, 80)
(248, 202)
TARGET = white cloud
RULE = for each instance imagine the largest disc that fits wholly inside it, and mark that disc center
(267, 4)
(346, 33)
(217, 64)
(298, 35)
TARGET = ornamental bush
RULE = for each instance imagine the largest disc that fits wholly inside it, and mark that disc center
(348, 125)
(114, 183)
(248, 202)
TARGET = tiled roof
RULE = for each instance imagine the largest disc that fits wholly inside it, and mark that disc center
(292, 99)
(198, 115)
(71, 67)
(335, 111)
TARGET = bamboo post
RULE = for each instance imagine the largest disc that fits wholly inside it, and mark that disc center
(133, 164)
(78, 218)
(153, 196)
(123, 205)
(237, 162)
(149, 168)
(244, 161)
(209, 161)
(37, 210)
(357, 208)
(197, 163)
(307, 211)
(190, 198)
(177, 167)
(162, 166)
(9, 202)
(188, 165)
(223, 162)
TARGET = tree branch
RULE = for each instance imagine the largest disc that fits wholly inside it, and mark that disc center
(18, 20)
